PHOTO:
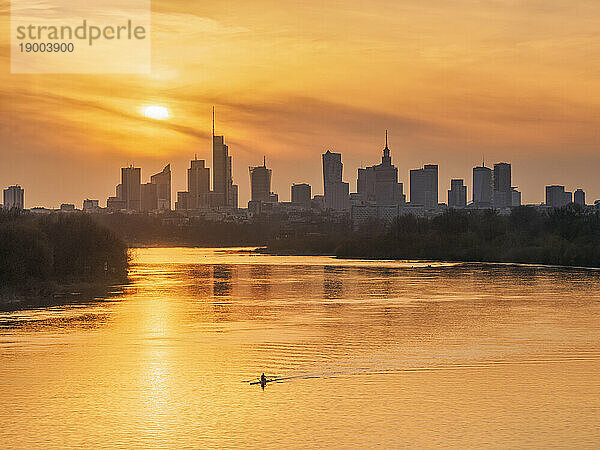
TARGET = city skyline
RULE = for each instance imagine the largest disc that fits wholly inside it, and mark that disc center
(452, 83)
(378, 184)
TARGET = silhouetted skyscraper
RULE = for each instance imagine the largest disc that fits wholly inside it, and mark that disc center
(14, 197)
(260, 183)
(149, 195)
(301, 195)
(579, 197)
(131, 188)
(556, 196)
(162, 180)
(482, 186)
(198, 180)
(424, 186)
(337, 193)
(379, 183)
(457, 195)
(222, 175)
(515, 197)
(502, 185)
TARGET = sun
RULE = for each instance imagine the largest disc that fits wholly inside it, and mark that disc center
(156, 112)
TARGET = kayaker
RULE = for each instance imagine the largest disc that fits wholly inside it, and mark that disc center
(263, 379)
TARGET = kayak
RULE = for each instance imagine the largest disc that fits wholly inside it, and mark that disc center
(262, 383)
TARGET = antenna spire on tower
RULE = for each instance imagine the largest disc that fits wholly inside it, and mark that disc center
(213, 121)
(264, 160)
(386, 138)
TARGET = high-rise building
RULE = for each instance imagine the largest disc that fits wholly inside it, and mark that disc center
(457, 195)
(515, 197)
(502, 186)
(337, 193)
(379, 183)
(260, 184)
(149, 197)
(198, 183)
(131, 188)
(482, 187)
(14, 197)
(162, 180)
(579, 197)
(424, 186)
(198, 187)
(556, 196)
(301, 195)
(222, 172)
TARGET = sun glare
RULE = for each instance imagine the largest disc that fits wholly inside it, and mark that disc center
(156, 112)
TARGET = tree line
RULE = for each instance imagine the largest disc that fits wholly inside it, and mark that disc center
(567, 236)
(60, 248)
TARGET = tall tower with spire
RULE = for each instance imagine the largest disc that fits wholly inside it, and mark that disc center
(222, 174)
(379, 183)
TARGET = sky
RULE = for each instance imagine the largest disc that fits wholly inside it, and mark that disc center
(454, 82)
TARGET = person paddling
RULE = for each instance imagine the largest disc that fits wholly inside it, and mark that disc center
(263, 379)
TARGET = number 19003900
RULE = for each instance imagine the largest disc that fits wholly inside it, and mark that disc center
(51, 47)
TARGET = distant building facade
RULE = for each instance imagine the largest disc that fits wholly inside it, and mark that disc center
(301, 195)
(67, 207)
(162, 181)
(14, 197)
(90, 205)
(579, 197)
(482, 187)
(149, 197)
(515, 198)
(131, 188)
(556, 196)
(379, 183)
(260, 184)
(502, 186)
(424, 186)
(337, 193)
(457, 195)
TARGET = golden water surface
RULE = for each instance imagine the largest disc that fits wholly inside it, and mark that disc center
(383, 353)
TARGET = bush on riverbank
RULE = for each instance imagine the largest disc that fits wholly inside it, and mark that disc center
(568, 236)
(57, 249)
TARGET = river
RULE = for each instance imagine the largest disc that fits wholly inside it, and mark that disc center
(396, 354)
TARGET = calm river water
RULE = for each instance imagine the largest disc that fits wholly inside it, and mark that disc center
(394, 354)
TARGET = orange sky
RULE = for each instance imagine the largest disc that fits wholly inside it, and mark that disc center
(452, 81)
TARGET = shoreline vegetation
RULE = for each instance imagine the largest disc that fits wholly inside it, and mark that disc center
(569, 237)
(62, 258)
(57, 258)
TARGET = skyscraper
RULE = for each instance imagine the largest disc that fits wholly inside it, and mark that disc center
(260, 183)
(162, 180)
(131, 188)
(14, 197)
(424, 186)
(337, 193)
(579, 197)
(482, 187)
(457, 195)
(556, 196)
(149, 197)
(301, 195)
(502, 186)
(379, 183)
(222, 174)
(198, 181)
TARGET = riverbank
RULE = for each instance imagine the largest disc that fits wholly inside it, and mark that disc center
(53, 259)
(567, 237)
